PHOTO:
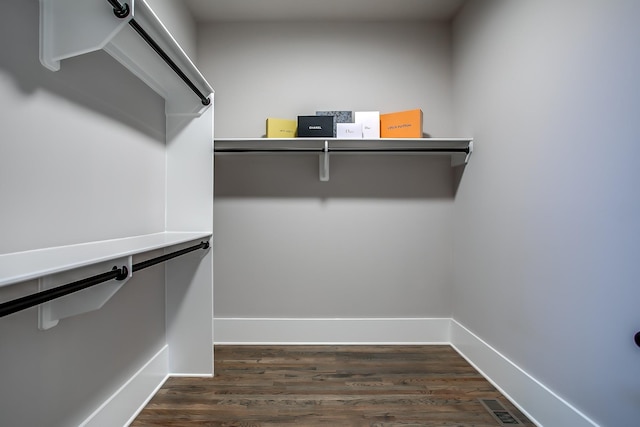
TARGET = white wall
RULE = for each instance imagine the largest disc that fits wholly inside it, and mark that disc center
(179, 22)
(82, 158)
(73, 143)
(546, 236)
(374, 241)
(284, 70)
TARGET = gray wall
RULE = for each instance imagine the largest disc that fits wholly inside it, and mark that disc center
(81, 159)
(262, 70)
(374, 241)
(546, 237)
(544, 225)
(178, 22)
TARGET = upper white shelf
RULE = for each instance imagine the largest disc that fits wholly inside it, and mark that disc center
(335, 145)
(70, 28)
(459, 149)
(21, 266)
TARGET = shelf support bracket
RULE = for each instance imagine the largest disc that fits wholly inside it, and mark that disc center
(459, 159)
(324, 163)
(90, 299)
(466, 159)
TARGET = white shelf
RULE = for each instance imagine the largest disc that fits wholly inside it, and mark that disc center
(385, 145)
(459, 149)
(21, 266)
(70, 28)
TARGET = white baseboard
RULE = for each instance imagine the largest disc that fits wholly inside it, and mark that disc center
(534, 399)
(125, 404)
(331, 331)
(537, 401)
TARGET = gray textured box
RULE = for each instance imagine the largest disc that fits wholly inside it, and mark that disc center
(341, 117)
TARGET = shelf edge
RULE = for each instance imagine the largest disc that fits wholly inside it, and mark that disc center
(57, 259)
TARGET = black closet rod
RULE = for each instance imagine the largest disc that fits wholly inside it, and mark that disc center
(341, 150)
(19, 304)
(122, 11)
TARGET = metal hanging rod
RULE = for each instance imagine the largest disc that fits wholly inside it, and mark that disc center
(122, 11)
(19, 304)
(389, 150)
(162, 258)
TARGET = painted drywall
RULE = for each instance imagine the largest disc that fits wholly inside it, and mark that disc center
(74, 143)
(81, 159)
(546, 237)
(283, 70)
(60, 376)
(179, 22)
(374, 241)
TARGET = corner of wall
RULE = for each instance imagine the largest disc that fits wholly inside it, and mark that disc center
(124, 405)
(534, 399)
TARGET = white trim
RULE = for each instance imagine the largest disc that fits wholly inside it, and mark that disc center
(544, 407)
(331, 331)
(126, 403)
(189, 375)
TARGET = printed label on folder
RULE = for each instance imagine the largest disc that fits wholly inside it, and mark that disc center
(403, 124)
(349, 130)
(315, 126)
(281, 128)
(370, 121)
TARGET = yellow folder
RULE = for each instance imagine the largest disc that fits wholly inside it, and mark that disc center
(281, 128)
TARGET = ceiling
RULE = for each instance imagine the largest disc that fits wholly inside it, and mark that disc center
(205, 11)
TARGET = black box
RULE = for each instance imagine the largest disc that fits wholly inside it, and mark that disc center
(315, 126)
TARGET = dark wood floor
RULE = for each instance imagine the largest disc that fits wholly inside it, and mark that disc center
(379, 386)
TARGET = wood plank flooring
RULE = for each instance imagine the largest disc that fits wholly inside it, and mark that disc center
(378, 386)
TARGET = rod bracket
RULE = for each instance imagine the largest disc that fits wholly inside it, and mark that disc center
(120, 10)
(123, 273)
(90, 299)
(324, 163)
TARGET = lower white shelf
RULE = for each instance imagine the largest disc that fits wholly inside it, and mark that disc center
(21, 266)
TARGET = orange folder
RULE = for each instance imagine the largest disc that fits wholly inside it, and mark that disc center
(403, 124)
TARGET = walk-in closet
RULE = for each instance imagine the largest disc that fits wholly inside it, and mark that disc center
(145, 218)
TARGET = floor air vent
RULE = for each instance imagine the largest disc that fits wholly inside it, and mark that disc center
(499, 412)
